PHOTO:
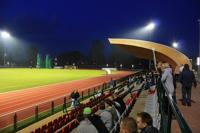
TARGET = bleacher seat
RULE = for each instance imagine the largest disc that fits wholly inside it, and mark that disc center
(37, 130)
(50, 127)
(44, 129)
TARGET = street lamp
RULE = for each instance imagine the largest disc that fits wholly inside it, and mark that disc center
(4, 35)
(198, 58)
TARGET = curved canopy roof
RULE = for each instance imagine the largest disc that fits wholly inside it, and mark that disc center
(143, 49)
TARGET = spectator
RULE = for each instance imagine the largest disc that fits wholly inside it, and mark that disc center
(181, 68)
(187, 78)
(129, 88)
(145, 123)
(115, 113)
(99, 93)
(119, 103)
(111, 83)
(174, 82)
(114, 83)
(167, 78)
(74, 96)
(106, 116)
(85, 126)
(128, 125)
(64, 108)
(129, 81)
(95, 120)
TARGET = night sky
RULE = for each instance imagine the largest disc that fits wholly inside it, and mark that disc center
(56, 26)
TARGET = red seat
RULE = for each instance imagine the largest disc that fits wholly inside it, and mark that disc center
(65, 129)
(64, 116)
(55, 125)
(60, 118)
(50, 124)
(44, 129)
(37, 130)
(59, 131)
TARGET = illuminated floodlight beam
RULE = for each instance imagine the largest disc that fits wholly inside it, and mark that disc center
(5, 34)
(175, 44)
(150, 26)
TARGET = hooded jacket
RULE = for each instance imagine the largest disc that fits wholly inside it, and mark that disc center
(167, 80)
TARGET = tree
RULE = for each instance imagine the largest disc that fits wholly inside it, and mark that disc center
(119, 56)
(97, 56)
(72, 57)
(32, 55)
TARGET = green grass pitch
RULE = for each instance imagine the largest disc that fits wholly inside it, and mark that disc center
(21, 78)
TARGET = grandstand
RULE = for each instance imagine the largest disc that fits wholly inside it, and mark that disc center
(139, 99)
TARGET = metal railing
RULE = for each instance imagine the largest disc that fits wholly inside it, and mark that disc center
(167, 108)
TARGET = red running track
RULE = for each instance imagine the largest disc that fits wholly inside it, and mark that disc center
(11, 102)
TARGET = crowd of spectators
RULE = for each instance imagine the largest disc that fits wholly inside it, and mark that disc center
(110, 111)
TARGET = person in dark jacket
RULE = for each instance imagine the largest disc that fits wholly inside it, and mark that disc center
(111, 83)
(145, 123)
(95, 120)
(119, 103)
(74, 96)
(187, 78)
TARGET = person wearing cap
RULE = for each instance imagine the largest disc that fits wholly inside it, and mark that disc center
(95, 121)
(85, 125)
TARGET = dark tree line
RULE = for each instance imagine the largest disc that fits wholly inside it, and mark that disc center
(25, 56)
(97, 56)
(70, 58)
(97, 59)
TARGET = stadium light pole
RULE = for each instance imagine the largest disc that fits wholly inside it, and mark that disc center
(149, 28)
(198, 58)
(4, 35)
